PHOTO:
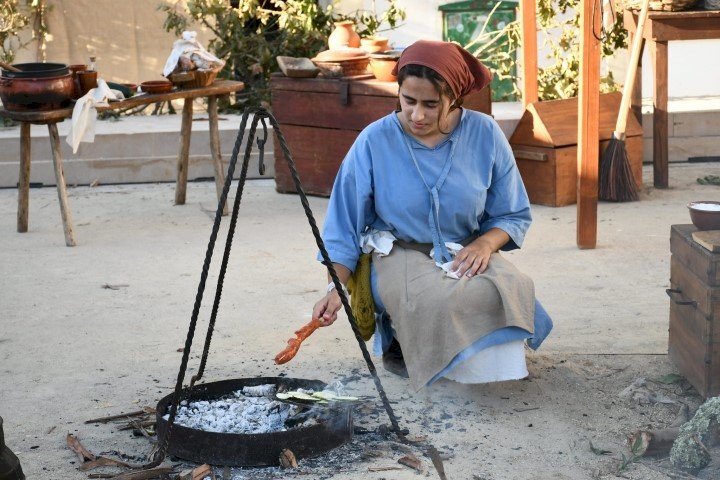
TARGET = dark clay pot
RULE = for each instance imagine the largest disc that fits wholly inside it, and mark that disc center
(37, 93)
(37, 70)
(9, 464)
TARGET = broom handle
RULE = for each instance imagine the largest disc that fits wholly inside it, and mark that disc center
(632, 70)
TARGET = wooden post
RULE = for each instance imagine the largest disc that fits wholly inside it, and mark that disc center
(215, 149)
(184, 155)
(658, 52)
(588, 125)
(24, 179)
(528, 41)
(65, 212)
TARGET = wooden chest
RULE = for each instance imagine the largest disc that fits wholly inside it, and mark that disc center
(320, 119)
(694, 337)
(545, 147)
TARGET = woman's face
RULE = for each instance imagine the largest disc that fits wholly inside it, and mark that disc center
(423, 111)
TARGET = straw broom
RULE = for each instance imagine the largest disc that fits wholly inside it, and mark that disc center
(617, 182)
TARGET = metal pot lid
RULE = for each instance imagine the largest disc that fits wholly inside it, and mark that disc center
(37, 70)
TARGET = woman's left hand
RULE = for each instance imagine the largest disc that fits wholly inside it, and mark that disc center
(475, 258)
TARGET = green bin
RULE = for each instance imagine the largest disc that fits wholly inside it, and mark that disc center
(462, 22)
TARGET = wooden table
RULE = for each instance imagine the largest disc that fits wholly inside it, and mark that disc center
(661, 28)
(52, 117)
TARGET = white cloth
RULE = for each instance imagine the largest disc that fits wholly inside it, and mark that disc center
(498, 363)
(188, 45)
(82, 126)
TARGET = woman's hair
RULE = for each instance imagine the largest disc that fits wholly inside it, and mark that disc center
(442, 87)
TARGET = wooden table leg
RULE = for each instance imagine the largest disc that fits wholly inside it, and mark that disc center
(215, 149)
(658, 51)
(184, 156)
(65, 212)
(24, 179)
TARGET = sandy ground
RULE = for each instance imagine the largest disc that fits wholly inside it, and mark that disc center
(72, 349)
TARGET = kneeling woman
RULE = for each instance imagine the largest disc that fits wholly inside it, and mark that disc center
(433, 191)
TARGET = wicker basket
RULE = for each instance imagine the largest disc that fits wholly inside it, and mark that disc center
(662, 5)
(194, 78)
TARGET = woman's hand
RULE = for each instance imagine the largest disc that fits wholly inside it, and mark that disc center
(475, 258)
(326, 309)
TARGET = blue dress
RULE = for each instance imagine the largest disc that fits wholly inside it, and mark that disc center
(467, 184)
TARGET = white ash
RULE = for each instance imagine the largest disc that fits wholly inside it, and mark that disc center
(250, 410)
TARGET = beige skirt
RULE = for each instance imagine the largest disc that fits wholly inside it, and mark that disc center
(436, 317)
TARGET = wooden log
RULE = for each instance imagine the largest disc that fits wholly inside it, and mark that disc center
(184, 155)
(654, 443)
(588, 138)
(659, 53)
(215, 149)
(24, 179)
(528, 25)
(197, 473)
(145, 474)
(65, 212)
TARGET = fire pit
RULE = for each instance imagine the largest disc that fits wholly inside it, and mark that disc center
(332, 427)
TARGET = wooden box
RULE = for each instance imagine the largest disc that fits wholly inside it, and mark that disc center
(545, 147)
(694, 337)
(320, 119)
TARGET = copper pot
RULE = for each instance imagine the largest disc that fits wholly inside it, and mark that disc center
(36, 94)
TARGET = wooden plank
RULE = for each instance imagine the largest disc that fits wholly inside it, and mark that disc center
(326, 85)
(24, 179)
(220, 87)
(699, 28)
(706, 297)
(184, 155)
(588, 125)
(696, 359)
(709, 239)
(215, 149)
(324, 110)
(554, 123)
(658, 53)
(317, 160)
(539, 176)
(528, 42)
(696, 258)
(65, 212)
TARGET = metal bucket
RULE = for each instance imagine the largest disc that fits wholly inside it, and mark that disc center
(333, 429)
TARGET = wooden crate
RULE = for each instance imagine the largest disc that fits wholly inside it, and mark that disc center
(320, 119)
(694, 336)
(545, 147)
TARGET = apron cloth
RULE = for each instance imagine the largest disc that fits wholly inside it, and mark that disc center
(436, 317)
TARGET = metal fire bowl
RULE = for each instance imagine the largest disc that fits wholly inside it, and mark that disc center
(335, 427)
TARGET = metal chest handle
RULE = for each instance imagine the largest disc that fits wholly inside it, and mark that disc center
(670, 292)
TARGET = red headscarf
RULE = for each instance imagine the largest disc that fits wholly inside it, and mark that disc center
(461, 70)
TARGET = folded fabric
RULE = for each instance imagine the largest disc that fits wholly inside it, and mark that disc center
(361, 298)
(82, 125)
(188, 46)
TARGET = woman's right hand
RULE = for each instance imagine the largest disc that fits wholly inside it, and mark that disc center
(325, 310)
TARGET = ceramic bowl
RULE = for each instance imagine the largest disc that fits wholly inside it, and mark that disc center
(297, 67)
(705, 214)
(156, 86)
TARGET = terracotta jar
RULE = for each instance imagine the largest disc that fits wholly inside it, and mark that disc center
(343, 36)
(374, 44)
(382, 65)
